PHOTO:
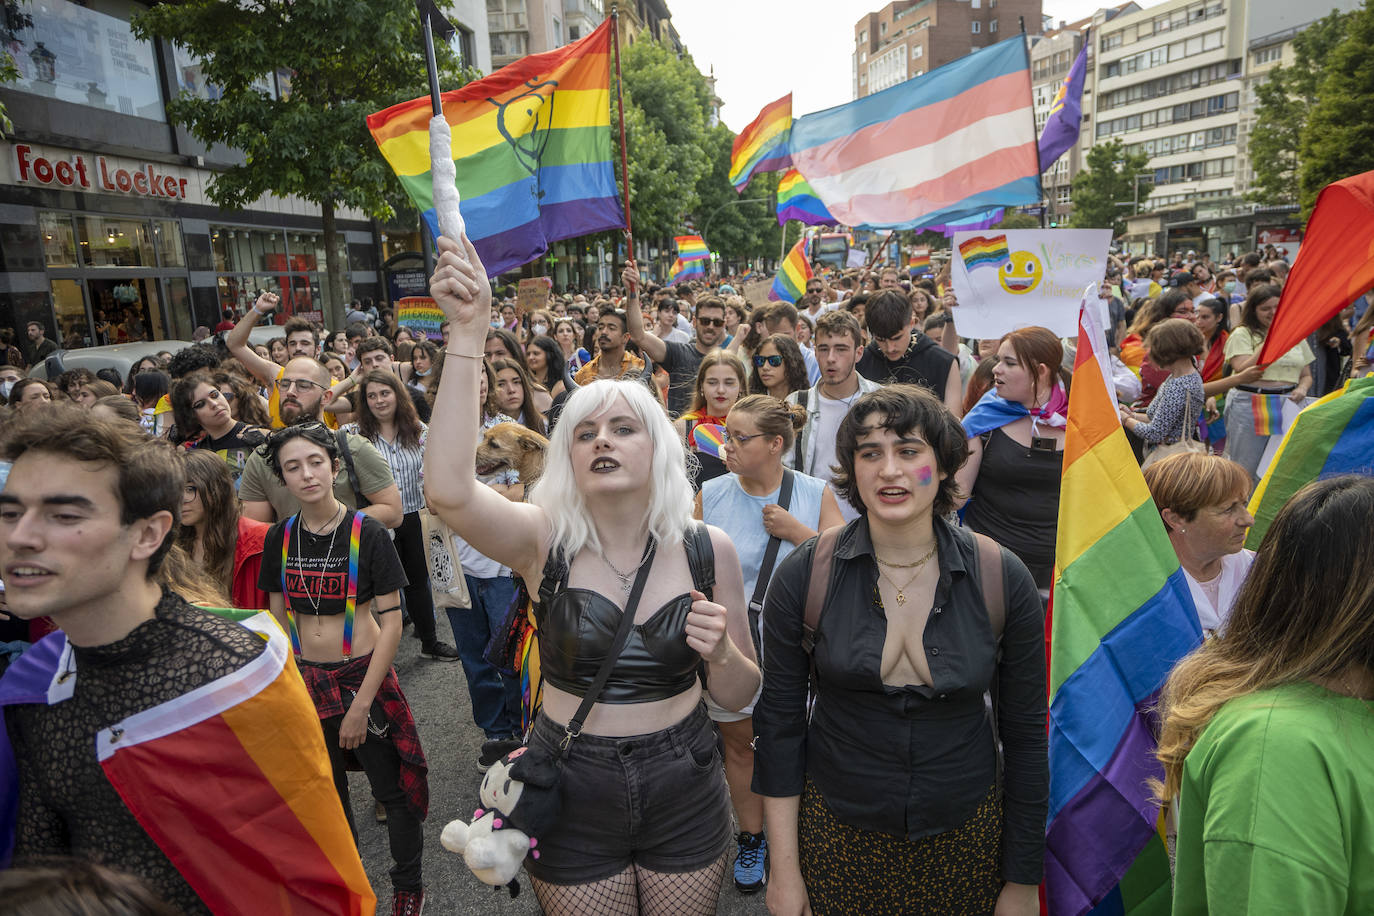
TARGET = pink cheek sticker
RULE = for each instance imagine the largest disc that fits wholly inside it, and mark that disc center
(923, 477)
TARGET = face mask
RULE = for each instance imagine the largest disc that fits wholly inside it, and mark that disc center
(540, 328)
(1230, 286)
(5, 388)
(496, 322)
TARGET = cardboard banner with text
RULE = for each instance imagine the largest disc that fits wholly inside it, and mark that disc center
(422, 316)
(1024, 277)
(532, 294)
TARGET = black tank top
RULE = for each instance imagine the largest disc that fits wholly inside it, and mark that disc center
(1016, 502)
(577, 628)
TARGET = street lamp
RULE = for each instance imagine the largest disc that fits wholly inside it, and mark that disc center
(731, 203)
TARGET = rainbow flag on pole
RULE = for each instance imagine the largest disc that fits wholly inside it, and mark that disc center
(790, 282)
(762, 146)
(796, 200)
(685, 270)
(1118, 627)
(691, 248)
(531, 146)
(232, 781)
(1333, 436)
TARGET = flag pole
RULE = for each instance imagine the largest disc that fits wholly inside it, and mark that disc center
(620, 106)
(431, 65)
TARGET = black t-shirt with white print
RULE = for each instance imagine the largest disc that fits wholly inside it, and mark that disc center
(316, 572)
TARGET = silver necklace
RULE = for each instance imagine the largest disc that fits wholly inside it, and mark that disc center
(626, 578)
(300, 567)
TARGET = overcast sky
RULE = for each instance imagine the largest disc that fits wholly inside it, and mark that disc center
(763, 49)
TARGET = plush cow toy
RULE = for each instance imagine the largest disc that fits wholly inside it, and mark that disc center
(520, 801)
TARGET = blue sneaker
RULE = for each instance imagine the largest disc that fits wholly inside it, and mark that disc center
(751, 855)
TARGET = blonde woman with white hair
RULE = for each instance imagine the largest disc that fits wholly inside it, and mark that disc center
(645, 822)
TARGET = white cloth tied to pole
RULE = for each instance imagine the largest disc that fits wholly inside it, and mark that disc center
(445, 178)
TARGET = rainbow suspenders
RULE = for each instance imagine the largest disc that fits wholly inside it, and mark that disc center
(350, 597)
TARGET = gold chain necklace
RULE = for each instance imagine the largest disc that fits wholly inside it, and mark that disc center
(918, 565)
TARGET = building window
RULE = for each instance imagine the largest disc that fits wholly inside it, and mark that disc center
(863, 36)
(75, 54)
(992, 26)
(464, 45)
(557, 33)
(506, 15)
(882, 28)
(977, 27)
(1268, 55)
(510, 44)
(917, 52)
(976, 4)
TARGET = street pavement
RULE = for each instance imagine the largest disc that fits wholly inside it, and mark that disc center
(439, 698)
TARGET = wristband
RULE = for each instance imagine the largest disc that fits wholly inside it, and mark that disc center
(466, 355)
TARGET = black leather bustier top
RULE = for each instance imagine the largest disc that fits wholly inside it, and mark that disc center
(577, 629)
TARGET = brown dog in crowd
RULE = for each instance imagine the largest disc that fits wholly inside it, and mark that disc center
(510, 446)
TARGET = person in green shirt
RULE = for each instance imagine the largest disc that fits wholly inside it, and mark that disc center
(1267, 738)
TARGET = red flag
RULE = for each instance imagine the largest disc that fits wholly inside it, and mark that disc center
(1335, 264)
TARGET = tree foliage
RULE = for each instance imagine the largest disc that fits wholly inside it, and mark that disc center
(1338, 139)
(1106, 180)
(13, 20)
(347, 59)
(1285, 99)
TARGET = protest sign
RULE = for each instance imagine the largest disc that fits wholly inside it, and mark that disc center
(422, 316)
(532, 294)
(1024, 277)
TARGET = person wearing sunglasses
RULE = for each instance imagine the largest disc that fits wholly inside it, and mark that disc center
(204, 419)
(366, 483)
(779, 368)
(679, 359)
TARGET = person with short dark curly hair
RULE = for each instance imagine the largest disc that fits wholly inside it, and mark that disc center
(889, 799)
(900, 353)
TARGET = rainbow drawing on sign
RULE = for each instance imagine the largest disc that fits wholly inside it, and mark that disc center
(984, 251)
(421, 315)
(709, 438)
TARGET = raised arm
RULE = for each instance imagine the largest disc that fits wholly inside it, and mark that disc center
(264, 370)
(460, 288)
(653, 346)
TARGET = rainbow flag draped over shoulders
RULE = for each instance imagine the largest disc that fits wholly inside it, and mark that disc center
(532, 150)
(790, 282)
(691, 248)
(231, 780)
(959, 139)
(1333, 436)
(685, 270)
(1122, 617)
(796, 200)
(762, 146)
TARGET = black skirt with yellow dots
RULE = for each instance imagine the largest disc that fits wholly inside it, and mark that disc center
(849, 870)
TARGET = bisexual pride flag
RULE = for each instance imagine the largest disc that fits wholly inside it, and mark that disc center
(531, 147)
(1118, 628)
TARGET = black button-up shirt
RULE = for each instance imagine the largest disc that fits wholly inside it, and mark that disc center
(908, 761)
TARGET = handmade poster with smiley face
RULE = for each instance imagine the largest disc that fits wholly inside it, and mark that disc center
(1024, 277)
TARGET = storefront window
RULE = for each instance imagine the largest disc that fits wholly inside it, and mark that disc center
(190, 78)
(75, 54)
(170, 252)
(59, 239)
(240, 250)
(113, 242)
(69, 306)
(179, 317)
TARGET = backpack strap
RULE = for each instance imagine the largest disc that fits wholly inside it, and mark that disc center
(991, 582)
(818, 587)
(701, 558)
(346, 453)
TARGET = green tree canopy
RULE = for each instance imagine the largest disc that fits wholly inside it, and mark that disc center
(1285, 99)
(1338, 140)
(347, 59)
(1107, 180)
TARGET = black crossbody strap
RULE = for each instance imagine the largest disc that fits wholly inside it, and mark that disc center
(622, 634)
(770, 557)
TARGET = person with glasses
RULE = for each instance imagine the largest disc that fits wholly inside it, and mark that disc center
(204, 420)
(679, 359)
(721, 381)
(334, 582)
(745, 505)
(366, 481)
(300, 342)
(779, 368)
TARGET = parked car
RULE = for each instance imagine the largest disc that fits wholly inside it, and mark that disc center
(120, 357)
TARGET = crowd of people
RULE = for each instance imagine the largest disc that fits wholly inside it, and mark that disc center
(762, 490)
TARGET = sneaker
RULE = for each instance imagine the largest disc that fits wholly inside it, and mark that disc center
(439, 652)
(494, 750)
(751, 852)
(381, 813)
(407, 903)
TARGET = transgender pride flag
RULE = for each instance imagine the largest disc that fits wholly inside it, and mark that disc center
(959, 139)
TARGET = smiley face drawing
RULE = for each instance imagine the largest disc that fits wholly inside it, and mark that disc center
(1021, 273)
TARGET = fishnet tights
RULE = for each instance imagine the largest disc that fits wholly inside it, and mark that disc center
(637, 892)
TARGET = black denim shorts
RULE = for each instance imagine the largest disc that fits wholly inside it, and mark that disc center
(658, 801)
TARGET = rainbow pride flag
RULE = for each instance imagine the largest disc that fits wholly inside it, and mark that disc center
(685, 270)
(762, 146)
(691, 248)
(1268, 411)
(748, 272)
(1333, 436)
(919, 262)
(531, 146)
(984, 251)
(790, 282)
(232, 781)
(1122, 617)
(797, 200)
